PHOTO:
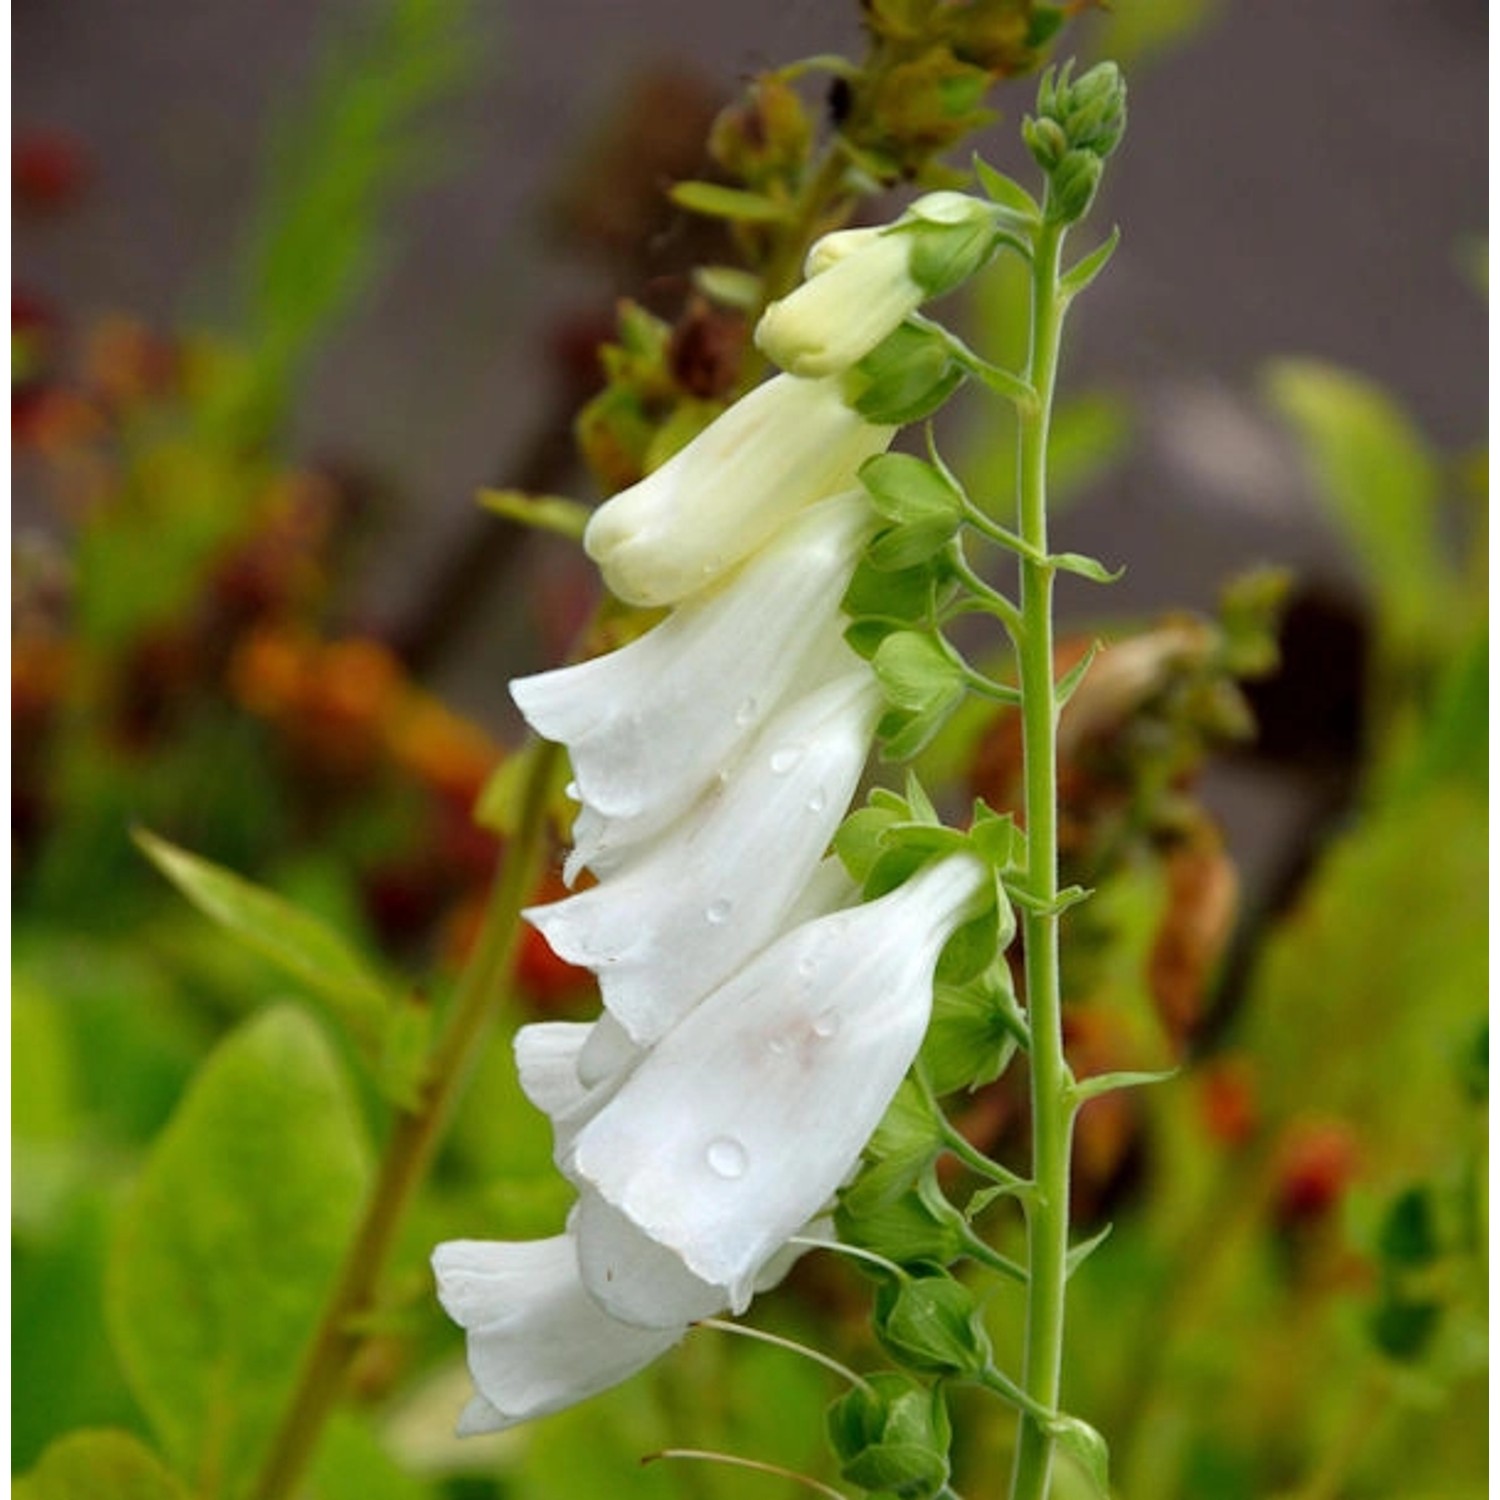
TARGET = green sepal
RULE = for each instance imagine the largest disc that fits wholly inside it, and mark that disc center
(915, 673)
(923, 809)
(1086, 1447)
(1081, 276)
(717, 202)
(905, 1227)
(554, 513)
(905, 594)
(995, 838)
(971, 948)
(975, 1030)
(892, 1436)
(944, 256)
(922, 502)
(907, 1141)
(859, 843)
(730, 286)
(932, 1324)
(906, 377)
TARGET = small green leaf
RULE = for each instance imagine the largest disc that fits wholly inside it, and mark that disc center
(904, 595)
(922, 807)
(224, 1253)
(295, 942)
(554, 513)
(102, 1464)
(1403, 1327)
(904, 733)
(1072, 679)
(1086, 1448)
(730, 286)
(1080, 1252)
(1081, 276)
(994, 836)
(1106, 1083)
(1006, 191)
(1085, 567)
(716, 202)
(899, 547)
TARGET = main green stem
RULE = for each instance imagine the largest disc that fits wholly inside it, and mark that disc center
(408, 1154)
(1051, 1102)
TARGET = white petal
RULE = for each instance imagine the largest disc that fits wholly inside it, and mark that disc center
(571, 1069)
(630, 1276)
(785, 445)
(649, 726)
(741, 1122)
(537, 1341)
(716, 887)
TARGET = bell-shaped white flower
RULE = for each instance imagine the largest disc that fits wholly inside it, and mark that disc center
(743, 1119)
(716, 887)
(863, 293)
(864, 283)
(649, 727)
(537, 1342)
(786, 444)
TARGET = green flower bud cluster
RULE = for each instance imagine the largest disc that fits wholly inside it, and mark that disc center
(1078, 124)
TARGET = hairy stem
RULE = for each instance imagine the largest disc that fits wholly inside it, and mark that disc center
(409, 1151)
(1051, 1105)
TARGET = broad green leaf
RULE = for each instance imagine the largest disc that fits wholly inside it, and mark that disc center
(226, 1249)
(352, 1464)
(1380, 482)
(297, 943)
(99, 1465)
(1080, 277)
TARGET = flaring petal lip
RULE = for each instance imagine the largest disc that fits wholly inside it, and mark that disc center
(782, 447)
(743, 1120)
(649, 727)
(674, 922)
(537, 1341)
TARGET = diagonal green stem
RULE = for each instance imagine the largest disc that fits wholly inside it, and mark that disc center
(409, 1152)
(1051, 1105)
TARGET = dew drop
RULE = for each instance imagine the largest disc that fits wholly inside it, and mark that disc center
(571, 792)
(807, 966)
(778, 1046)
(718, 912)
(818, 801)
(827, 1024)
(745, 712)
(727, 1158)
(784, 759)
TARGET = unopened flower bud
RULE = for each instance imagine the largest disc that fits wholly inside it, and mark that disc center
(1073, 186)
(1047, 141)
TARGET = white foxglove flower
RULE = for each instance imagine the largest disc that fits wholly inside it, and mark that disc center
(649, 727)
(716, 887)
(537, 1342)
(864, 283)
(786, 444)
(835, 319)
(744, 1118)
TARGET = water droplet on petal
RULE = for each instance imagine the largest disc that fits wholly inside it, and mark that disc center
(571, 792)
(727, 1158)
(827, 1024)
(718, 912)
(807, 966)
(784, 759)
(745, 712)
(778, 1046)
(818, 801)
